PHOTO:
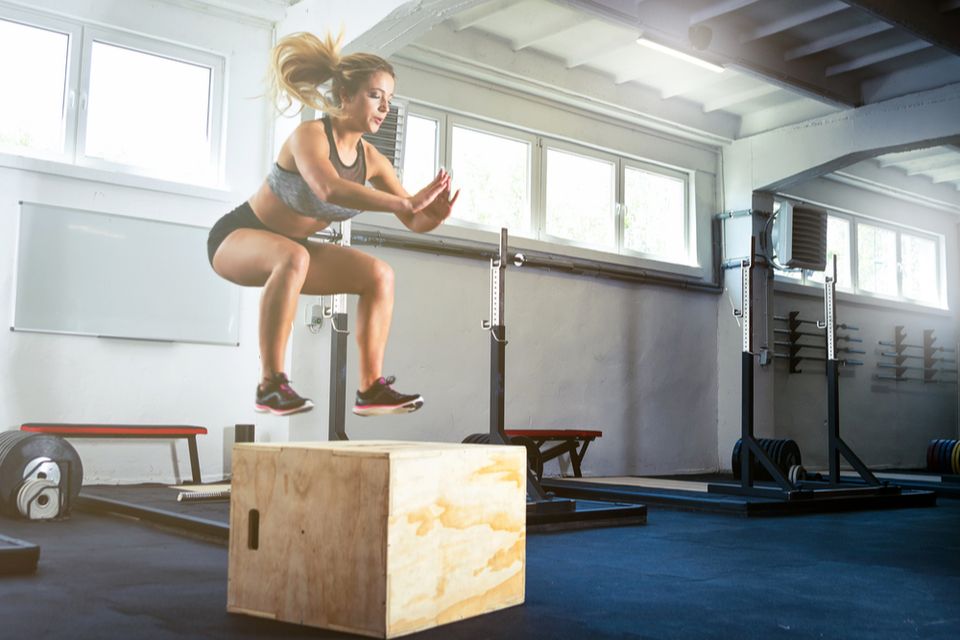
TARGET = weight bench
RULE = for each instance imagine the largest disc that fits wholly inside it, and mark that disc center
(165, 432)
(572, 441)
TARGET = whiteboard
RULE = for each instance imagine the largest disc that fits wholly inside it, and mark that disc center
(112, 276)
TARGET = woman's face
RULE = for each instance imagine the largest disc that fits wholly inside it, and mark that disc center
(368, 107)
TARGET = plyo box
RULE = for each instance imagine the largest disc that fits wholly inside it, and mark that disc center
(378, 538)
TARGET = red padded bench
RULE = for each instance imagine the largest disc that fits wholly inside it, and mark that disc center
(572, 441)
(167, 432)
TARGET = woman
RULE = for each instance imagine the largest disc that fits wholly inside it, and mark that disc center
(319, 177)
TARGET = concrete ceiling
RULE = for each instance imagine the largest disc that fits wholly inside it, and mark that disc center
(783, 61)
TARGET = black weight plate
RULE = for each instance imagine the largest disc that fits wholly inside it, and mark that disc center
(931, 446)
(946, 448)
(18, 451)
(791, 454)
(938, 455)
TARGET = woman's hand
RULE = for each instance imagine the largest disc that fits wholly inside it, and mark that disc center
(429, 193)
(441, 207)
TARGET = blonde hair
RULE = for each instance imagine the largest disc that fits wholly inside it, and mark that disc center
(301, 62)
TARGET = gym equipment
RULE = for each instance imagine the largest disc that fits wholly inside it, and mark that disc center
(943, 456)
(784, 453)
(337, 314)
(569, 441)
(163, 432)
(752, 451)
(794, 345)
(543, 507)
(40, 475)
(17, 557)
(931, 359)
(379, 538)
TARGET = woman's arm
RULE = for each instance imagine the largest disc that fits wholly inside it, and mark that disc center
(311, 153)
(384, 178)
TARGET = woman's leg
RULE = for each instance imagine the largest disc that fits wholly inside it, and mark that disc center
(336, 269)
(255, 258)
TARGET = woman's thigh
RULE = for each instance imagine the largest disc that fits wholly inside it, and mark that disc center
(337, 269)
(248, 256)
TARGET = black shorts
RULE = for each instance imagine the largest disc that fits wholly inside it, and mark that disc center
(242, 217)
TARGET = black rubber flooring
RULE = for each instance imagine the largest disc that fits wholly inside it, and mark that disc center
(875, 574)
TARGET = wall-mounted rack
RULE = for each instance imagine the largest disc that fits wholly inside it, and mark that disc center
(930, 356)
(794, 346)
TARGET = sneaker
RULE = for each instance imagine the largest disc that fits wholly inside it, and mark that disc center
(381, 399)
(279, 399)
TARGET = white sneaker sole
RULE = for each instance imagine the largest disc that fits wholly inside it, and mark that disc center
(307, 406)
(383, 410)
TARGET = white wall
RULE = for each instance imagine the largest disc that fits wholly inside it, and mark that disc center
(61, 378)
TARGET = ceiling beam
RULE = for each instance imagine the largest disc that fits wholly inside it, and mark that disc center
(719, 9)
(800, 152)
(794, 20)
(925, 20)
(837, 39)
(922, 160)
(475, 16)
(739, 97)
(876, 57)
(548, 30)
(598, 51)
(668, 22)
(946, 174)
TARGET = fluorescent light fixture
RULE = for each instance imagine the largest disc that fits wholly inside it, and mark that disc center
(656, 46)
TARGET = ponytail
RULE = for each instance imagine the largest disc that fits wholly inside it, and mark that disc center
(301, 62)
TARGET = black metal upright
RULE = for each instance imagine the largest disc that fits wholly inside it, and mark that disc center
(498, 343)
(750, 449)
(498, 355)
(338, 356)
(836, 447)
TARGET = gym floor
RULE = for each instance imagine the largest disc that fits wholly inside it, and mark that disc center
(870, 574)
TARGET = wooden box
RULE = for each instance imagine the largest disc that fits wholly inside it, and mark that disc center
(378, 538)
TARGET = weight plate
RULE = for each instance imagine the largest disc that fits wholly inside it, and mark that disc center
(19, 449)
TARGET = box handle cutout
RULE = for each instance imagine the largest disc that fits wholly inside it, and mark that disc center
(253, 530)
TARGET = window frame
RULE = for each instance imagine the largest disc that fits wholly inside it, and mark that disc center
(481, 126)
(689, 226)
(541, 214)
(537, 189)
(855, 219)
(68, 109)
(81, 36)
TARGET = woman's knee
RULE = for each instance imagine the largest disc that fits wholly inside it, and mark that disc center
(381, 277)
(293, 261)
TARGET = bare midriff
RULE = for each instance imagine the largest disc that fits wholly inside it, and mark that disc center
(281, 218)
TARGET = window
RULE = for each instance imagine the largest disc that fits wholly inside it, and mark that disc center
(580, 199)
(655, 220)
(879, 260)
(420, 153)
(493, 173)
(918, 257)
(34, 122)
(108, 99)
(556, 191)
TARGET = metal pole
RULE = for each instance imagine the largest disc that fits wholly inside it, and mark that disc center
(833, 382)
(338, 356)
(498, 343)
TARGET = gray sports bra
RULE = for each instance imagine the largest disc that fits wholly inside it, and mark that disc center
(293, 190)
